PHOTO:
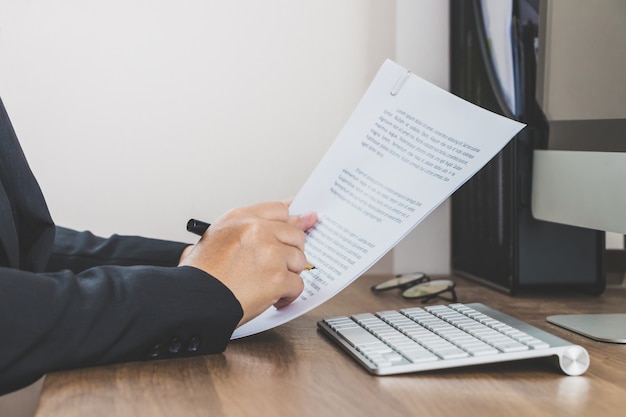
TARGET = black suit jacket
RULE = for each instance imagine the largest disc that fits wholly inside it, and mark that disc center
(70, 299)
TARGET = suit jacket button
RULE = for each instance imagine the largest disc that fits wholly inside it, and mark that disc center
(175, 346)
(154, 352)
(194, 344)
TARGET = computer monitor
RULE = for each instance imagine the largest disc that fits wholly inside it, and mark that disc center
(579, 177)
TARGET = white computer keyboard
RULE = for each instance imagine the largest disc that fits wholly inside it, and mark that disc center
(440, 336)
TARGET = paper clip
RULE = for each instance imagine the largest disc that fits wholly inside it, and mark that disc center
(398, 85)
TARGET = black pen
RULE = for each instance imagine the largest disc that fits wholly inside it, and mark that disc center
(198, 227)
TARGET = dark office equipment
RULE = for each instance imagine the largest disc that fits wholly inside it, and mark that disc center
(495, 238)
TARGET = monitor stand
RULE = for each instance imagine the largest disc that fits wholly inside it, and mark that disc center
(601, 327)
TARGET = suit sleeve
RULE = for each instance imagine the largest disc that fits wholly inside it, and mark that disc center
(92, 309)
(78, 251)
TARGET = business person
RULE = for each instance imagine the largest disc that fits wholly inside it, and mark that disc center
(70, 299)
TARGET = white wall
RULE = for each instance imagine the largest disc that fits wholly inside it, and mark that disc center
(138, 114)
(422, 44)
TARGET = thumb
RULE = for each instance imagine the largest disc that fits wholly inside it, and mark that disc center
(305, 221)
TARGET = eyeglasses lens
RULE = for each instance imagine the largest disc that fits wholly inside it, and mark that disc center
(400, 281)
(429, 289)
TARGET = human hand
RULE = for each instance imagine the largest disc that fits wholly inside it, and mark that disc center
(258, 253)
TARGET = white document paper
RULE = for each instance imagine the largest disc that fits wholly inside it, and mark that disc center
(405, 149)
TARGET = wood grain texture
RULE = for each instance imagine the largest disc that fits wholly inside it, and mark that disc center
(295, 371)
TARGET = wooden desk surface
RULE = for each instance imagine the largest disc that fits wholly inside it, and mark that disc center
(295, 371)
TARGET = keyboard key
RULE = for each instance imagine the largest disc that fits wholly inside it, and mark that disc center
(359, 337)
(397, 340)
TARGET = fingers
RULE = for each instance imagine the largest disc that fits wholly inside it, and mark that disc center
(296, 260)
(279, 212)
(258, 253)
(304, 222)
(291, 234)
(292, 294)
(276, 210)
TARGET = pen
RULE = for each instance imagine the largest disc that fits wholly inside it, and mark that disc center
(198, 227)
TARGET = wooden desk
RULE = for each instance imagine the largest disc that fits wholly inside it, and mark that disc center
(295, 371)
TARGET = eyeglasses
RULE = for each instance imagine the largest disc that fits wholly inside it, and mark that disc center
(418, 285)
